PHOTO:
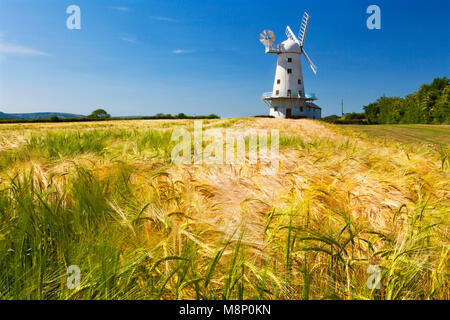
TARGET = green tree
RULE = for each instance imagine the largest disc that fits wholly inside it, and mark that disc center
(430, 104)
(441, 112)
(412, 112)
(54, 118)
(99, 114)
(372, 112)
(354, 116)
(331, 118)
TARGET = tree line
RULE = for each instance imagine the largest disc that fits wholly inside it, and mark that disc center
(428, 105)
(102, 115)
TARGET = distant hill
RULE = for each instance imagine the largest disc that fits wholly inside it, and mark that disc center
(38, 115)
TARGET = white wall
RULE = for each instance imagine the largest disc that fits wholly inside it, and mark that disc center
(308, 112)
(288, 81)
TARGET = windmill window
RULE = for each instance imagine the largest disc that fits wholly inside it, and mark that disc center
(299, 81)
(277, 92)
(301, 109)
(278, 81)
(289, 70)
(275, 109)
(289, 59)
(300, 93)
(289, 93)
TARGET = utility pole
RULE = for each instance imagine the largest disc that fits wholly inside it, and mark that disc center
(342, 107)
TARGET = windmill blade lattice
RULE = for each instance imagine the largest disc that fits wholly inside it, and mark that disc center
(291, 35)
(303, 28)
(311, 64)
(267, 38)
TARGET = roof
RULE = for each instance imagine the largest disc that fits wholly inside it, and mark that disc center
(290, 46)
(313, 105)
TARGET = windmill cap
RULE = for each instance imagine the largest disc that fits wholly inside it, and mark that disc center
(290, 46)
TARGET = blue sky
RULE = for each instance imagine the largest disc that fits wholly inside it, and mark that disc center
(201, 57)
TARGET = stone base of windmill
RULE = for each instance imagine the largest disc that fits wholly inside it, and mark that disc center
(308, 110)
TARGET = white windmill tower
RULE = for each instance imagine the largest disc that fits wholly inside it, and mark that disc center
(288, 98)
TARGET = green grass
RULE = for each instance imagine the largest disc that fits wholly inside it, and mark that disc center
(419, 134)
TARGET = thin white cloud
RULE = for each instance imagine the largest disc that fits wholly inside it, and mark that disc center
(231, 49)
(182, 51)
(20, 50)
(128, 39)
(123, 9)
(164, 19)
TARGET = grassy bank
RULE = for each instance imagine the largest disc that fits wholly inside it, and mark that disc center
(409, 133)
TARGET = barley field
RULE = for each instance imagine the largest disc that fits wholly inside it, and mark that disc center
(106, 197)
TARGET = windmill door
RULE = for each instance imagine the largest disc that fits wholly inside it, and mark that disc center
(288, 113)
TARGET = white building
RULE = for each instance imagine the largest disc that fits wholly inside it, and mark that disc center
(288, 98)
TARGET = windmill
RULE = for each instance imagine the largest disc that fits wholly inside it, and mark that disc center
(288, 98)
